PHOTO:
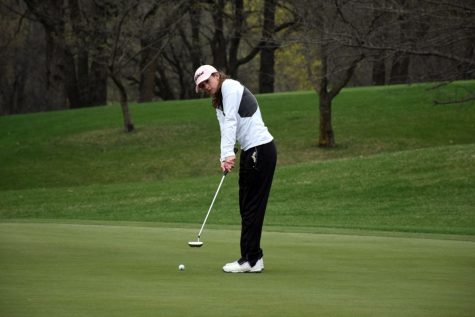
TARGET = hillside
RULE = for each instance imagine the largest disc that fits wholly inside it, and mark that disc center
(401, 164)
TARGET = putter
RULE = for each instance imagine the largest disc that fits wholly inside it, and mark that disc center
(198, 243)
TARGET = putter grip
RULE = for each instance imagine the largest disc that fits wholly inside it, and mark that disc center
(235, 152)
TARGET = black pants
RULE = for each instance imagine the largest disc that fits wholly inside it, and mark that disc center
(256, 171)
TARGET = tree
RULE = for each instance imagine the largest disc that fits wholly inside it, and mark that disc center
(268, 47)
(159, 23)
(227, 51)
(341, 33)
(212, 34)
(236, 25)
(330, 65)
(152, 47)
(434, 31)
(94, 53)
(14, 61)
(51, 15)
(269, 43)
(76, 74)
(125, 20)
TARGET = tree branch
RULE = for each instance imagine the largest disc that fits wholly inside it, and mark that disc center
(436, 53)
(453, 5)
(348, 74)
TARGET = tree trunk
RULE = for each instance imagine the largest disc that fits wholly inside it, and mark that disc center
(74, 97)
(379, 71)
(326, 138)
(400, 68)
(98, 72)
(400, 63)
(77, 66)
(98, 82)
(55, 77)
(218, 44)
(266, 73)
(236, 39)
(148, 66)
(83, 78)
(162, 84)
(12, 100)
(327, 91)
(51, 15)
(195, 15)
(124, 104)
(468, 71)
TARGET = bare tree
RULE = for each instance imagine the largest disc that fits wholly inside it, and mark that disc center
(212, 34)
(218, 29)
(270, 42)
(229, 29)
(152, 47)
(74, 72)
(330, 65)
(86, 57)
(126, 44)
(14, 62)
(339, 34)
(268, 47)
(228, 51)
(438, 30)
(120, 57)
(159, 23)
(51, 15)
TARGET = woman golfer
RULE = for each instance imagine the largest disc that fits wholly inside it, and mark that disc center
(240, 120)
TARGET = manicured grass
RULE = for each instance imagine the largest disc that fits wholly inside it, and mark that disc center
(132, 270)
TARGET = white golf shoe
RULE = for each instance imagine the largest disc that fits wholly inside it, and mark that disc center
(244, 267)
(236, 267)
(259, 265)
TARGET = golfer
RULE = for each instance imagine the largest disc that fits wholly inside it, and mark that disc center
(240, 120)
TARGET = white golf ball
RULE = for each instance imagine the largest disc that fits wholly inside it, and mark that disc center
(181, 267)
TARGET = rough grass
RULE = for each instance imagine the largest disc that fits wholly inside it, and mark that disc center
(181, 139)
(426, 190)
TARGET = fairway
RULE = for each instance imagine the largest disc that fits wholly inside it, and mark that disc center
(131, 269)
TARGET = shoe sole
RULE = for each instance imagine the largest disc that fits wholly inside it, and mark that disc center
(249, 271)
(242, 271)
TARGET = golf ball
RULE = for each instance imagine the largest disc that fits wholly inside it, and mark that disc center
(181, 267)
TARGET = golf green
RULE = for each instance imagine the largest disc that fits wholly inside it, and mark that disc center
(106, 269)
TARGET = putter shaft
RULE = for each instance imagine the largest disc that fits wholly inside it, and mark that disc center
(212, 203)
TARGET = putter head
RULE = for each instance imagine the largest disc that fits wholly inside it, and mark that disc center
(195, 244)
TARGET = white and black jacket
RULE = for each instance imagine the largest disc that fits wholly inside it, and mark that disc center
(240, 119)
